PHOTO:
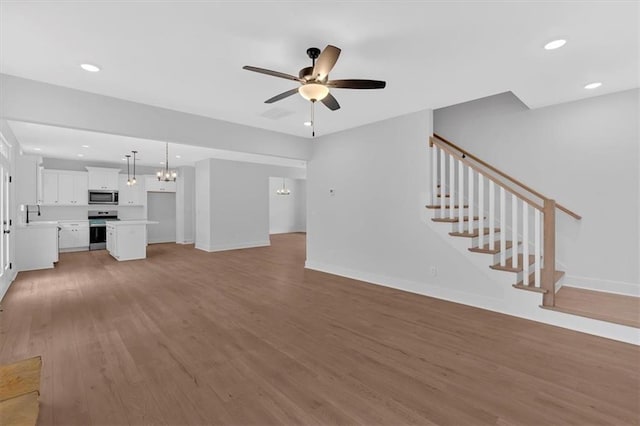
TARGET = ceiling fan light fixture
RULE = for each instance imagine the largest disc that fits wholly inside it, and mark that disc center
(313, 92)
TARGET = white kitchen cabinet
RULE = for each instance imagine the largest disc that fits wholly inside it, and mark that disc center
(152, 184)
(36, 245)
(133, 195)
(74, 236)
(26, 178)
(64, 188)
(101, 178)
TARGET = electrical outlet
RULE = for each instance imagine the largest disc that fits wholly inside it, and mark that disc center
(434, 271)
(332, 192)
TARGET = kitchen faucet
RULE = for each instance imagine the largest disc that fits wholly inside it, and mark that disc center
(38, 206)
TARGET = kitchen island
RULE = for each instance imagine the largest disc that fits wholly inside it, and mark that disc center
(127, 239)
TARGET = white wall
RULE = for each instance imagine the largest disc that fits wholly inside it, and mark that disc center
(584, 154)
(37, 102)
(185, 205)
(232, 203)
(287, 213)
(203, 205)
(375, 227)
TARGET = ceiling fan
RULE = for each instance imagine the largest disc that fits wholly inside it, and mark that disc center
(314, 80)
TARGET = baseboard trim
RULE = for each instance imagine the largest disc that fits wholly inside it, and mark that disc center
(607, 286)
(4, 290)
(421, 288)
(185, 242)
(236, 246)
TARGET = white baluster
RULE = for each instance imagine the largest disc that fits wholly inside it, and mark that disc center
(492, 215)
(536, 245)
(434, 175)
(503, 227)
(452, 184)
(443, 182)
(514, 231)
(481, 209)
(460, 196)
(470, 199)
(525, 242)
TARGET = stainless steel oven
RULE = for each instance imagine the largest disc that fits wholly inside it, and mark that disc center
(103, 197)
(98, 227)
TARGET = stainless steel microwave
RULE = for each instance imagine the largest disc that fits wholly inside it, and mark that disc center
(103, 197)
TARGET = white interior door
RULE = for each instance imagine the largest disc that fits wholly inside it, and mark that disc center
(5, 218)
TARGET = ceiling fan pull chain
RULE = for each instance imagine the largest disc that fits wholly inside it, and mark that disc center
(313, 120)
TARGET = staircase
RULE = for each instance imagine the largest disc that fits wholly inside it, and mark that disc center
(508, 222)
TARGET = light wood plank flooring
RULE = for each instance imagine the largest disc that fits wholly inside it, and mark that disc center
(609, 307)
(251, 337)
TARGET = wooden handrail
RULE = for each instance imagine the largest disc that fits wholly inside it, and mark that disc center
(452, 152)
(506, 176)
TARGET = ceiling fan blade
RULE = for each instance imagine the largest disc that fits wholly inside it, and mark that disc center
(326, 62)
(330, 102)
(281, 96)
(270, 72)
(357, 84)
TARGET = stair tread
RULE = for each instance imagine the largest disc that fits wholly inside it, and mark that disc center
(438, 206)
(486, 250)
(508, 267)
(530, 288)
(532, 279)
(473, 234)
(454, 220)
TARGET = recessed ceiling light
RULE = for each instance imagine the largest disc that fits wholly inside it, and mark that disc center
(37, 149)
(80, 155)
(178, 156)
(307, 123)
(555, 44)
(90, 67)
(162, 162)
(593, 85)
(85, 146)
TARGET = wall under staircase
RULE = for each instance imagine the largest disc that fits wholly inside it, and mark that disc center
(374, 225)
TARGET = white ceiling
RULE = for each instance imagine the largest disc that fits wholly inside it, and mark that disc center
(59, 142)
(188, 56)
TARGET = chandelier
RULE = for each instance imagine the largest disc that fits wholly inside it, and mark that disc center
(283, 190)
(167, 175)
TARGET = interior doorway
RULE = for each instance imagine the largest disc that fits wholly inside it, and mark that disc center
(161, 207)
(287, 205)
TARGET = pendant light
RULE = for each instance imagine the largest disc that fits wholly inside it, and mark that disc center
(133, 180)
(128, 174)
(283, 190)
(166, 174)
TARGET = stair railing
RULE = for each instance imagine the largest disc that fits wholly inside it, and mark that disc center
(449, 163)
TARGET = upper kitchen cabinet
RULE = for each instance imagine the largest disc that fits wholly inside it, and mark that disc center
(27, 178)
(152, 184)
(64, 188)
(102, 178)
(131, 195)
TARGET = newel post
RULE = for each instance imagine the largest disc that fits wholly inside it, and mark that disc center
(549, 253)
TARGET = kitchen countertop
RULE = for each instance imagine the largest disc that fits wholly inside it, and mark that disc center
(131, 222)
(38, 224)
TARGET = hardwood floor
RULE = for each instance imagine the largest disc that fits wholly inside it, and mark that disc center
(609, 307)
(251, 337)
